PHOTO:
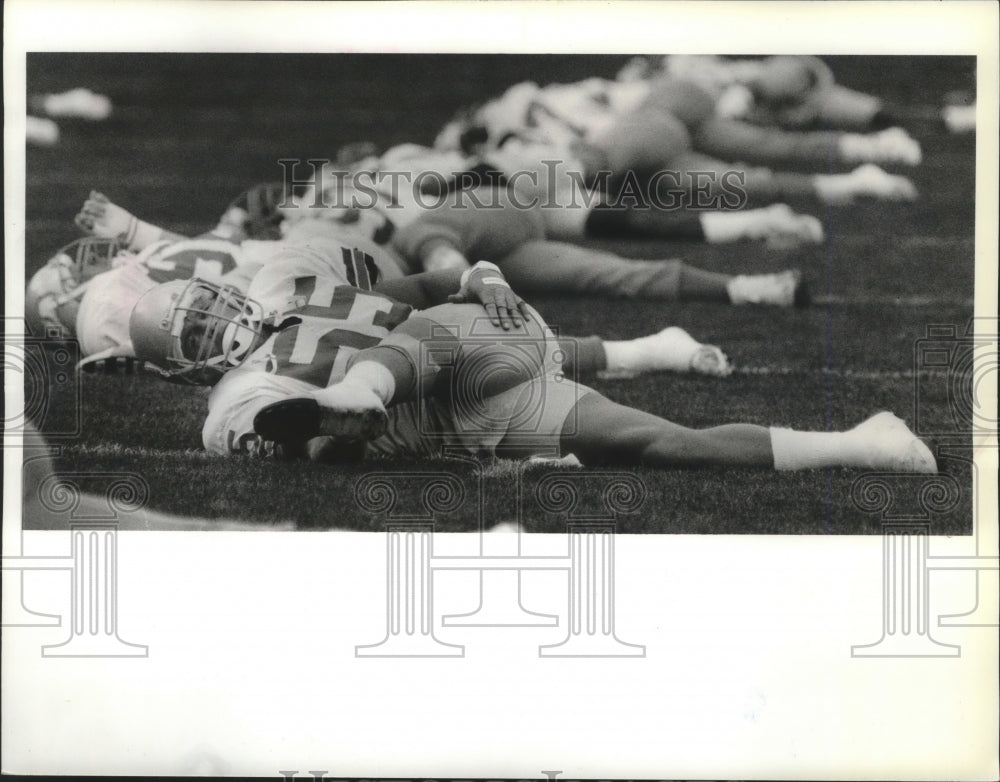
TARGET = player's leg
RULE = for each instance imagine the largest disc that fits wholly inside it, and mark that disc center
(556, 267)
(731, 139)
(599, 431)
(718, 181)
(100, 217)
(442, 352)
(777, 224)
(841, 107)
(670, 350)
(480, 224)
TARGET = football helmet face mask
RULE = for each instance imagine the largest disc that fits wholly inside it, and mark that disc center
(194, 331)
(53, 294)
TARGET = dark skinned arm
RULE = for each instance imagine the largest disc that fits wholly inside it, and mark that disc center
(485, 285)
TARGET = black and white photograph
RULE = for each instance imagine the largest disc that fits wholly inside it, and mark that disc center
(507, 390)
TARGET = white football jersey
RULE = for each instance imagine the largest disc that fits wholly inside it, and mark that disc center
(328, 261)
(378, 196)
(319, 324)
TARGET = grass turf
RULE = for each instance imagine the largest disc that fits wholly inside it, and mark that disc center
(190, 131)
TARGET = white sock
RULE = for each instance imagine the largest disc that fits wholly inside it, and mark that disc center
(118, 223)
(671, 349)
(795, 450)
(725, 227)
(374, 376)
(834, 188)
(855, 148)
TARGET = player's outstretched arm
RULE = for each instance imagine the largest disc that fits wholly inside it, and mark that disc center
(484, 283)
(100, 217)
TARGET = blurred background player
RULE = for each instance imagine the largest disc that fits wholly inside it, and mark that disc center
(791, 91)
(502, 233)
(570, 208)
(670, 126)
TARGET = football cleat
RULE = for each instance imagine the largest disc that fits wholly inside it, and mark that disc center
(345, 411)
(784, 289)
(891, 445)
(194, 331)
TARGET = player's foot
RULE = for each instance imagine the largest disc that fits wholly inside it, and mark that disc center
(639, 68)
(99, 217)
(344, 411)
(959, 119)
(892, 446)
(41, 132)
(779, 226)
(865, 181)
(895, 145)
(710, 360)
(784, 289)
(79, 102)
(892, 145)
(669, 350)
(870, 180)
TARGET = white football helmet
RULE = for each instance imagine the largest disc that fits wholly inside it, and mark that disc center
(195, 331)
(103, 317)
(52, 297)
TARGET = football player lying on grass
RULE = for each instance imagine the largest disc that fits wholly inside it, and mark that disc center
(88, 290)
(601, 111)
(341, 373)
(671, 149)
(790, 91)
(570, 211)
(510, 237)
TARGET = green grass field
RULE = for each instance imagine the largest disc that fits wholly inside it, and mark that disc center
(190, 131)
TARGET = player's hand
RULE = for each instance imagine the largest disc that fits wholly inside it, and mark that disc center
(484, 283)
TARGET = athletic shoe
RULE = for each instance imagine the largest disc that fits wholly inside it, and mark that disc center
(344, 411)
(893, 446)
(784, 289)
(870, 180)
